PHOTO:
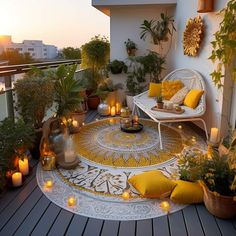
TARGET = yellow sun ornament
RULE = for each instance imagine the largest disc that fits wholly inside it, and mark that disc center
(193, 36)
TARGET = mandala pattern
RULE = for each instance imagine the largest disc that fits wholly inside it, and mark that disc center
(106, 144)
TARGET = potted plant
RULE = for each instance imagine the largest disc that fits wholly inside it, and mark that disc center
(35, 93)
(131, 47)
(95, 56)
(135, 82)
(15, 139)
(158, 29)
(160, 102)
(116, 67)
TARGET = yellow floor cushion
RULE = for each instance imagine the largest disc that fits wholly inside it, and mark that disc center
(170, 88)
(154, 90)
(193, 97)
(152, 184)
(187, 192)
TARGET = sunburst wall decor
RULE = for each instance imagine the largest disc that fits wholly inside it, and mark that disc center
(193, 35)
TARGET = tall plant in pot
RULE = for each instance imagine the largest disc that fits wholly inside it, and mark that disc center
(131, 47)
(35, 94)
(95, 56)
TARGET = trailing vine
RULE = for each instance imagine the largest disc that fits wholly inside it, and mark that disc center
(224, 45)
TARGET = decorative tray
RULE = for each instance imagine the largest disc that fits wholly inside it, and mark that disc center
(132, 129)
(173, 111)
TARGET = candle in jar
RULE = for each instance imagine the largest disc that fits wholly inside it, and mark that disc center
(180, 127)
(135, 119)
(111, 121)
(69, 156)
(165, 206)
(48, 183)
(214, 135)
(75, 123)
(118, 108)
(24, 166)
(71, 201)
(113, 111)
(126, 195)
(17, 179)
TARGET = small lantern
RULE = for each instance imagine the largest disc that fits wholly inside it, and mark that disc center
(205, 6)
(48, 159)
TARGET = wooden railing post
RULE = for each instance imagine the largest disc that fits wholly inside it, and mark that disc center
(9, 96)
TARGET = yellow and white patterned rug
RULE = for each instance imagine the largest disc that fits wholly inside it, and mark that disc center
(104, 143)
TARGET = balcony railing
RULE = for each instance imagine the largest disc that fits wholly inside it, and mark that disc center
(8, 74)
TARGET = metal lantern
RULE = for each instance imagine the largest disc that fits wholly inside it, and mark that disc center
(48, 162)
(104, 109)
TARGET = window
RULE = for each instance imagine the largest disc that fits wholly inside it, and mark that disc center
(30, 49)
(45, 54)
(33, 54)
(19, 49)
(45, 49)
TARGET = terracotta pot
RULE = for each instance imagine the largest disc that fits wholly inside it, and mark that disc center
(78, 116)
(221, 206)
(205, 6)
(131, 52)
(160, 105)
(93, 102)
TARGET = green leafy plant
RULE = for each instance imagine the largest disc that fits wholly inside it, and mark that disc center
(71, 53)
(159, 99)
(67, 90)
(224, 44)
(14, 136)
(130, 44)
(116, 67)
(158, 29)
(34, 95)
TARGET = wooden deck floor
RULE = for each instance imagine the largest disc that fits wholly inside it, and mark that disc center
(26, 211)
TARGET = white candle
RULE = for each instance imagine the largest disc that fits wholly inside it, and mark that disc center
(214, 135)
(75, 123)
(118, 108)
(69, 156)
(24, 166)
(113, 111)
(17, 179)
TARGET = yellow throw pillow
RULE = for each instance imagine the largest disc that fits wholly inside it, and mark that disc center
(187, 192)
(152, 184)
(193, 97)
(170, 88)
(154, 90)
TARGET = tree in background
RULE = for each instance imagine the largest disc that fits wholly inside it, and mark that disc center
(71, 53)
(15, 58)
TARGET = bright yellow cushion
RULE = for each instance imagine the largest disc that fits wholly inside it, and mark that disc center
(170, 88)
(193, 97)
(152, 184)
(187, 192)
(154, 90)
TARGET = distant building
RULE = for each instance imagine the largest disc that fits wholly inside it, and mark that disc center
(36, 48)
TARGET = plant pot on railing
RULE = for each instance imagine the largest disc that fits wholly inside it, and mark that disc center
(221, 206)
(205, 6)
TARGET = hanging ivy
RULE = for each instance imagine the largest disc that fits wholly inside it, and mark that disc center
(224, 44)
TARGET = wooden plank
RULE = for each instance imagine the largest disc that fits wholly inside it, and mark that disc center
(208, 222)
(177, 224)
(10, 194)
(46, 220)
(226, 227)
(93, 227)
(19, 216)
(91, 116)
(161, 226)
(127, 228)
(144, 227)
(77, 226)
(60, 225)
(110, 227)
(192, 221)
(31, 220)
(7, 213)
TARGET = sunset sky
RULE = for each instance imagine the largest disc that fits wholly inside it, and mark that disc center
(59, 22)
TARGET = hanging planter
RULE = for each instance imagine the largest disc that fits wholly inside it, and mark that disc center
(205, 6)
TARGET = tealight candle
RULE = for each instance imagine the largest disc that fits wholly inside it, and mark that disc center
(165, 206)
(118, 108)
(214, 135)
(180, 127)
(113, 111)
(71, 201)
(75, 123)
(24, 166)
(17, 179)
(111, 121)
(48, 183)
(83, 124)
(126, 195)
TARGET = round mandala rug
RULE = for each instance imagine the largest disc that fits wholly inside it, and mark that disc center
(104, 143)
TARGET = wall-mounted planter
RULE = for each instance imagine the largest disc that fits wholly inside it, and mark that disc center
(205, 6)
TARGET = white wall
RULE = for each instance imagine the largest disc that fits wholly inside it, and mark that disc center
(185, 10)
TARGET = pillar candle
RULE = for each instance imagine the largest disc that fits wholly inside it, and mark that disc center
(24, 166)
(118, 108)
(75, 123)
(17, 179)
(69, 156)
(214, 135)
(113, 111)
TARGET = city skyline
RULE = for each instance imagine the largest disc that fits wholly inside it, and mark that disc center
(58, 22)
